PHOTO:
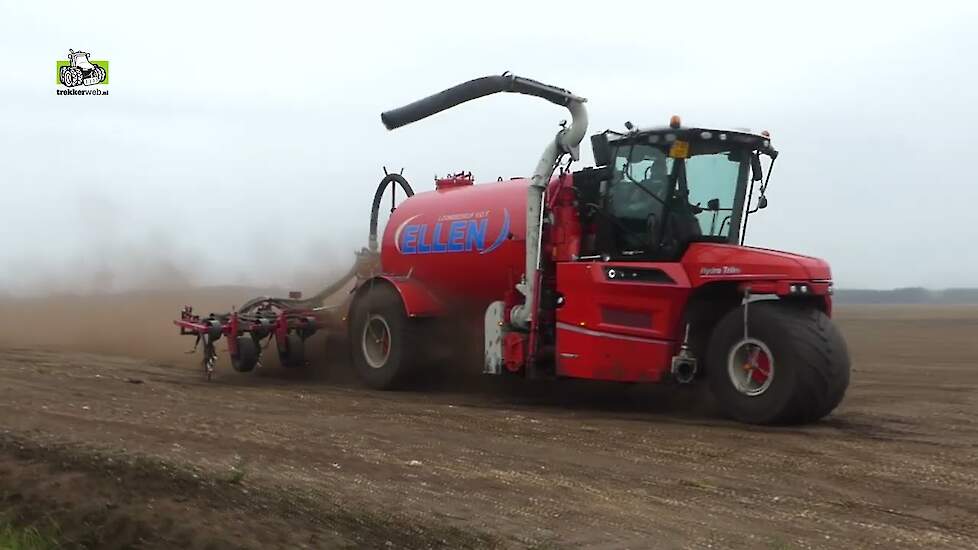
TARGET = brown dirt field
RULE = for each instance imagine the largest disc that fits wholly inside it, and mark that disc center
(111, 433)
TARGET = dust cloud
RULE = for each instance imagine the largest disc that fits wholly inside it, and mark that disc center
(117, 286)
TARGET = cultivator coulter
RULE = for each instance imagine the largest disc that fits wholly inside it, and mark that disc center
(251, 330)
(260, 322)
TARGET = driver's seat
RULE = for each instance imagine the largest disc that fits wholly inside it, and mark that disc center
(679, 228)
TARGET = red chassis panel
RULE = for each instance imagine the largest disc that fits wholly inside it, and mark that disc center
(619, 321)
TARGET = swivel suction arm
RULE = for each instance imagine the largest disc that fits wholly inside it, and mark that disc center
(567, 141)
(474, 89)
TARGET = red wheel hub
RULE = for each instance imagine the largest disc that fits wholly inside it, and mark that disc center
(761, 369)
(750, 367)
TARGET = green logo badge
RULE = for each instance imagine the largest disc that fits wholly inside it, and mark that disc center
(79, 70)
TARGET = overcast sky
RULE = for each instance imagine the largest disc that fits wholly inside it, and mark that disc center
(241, 142)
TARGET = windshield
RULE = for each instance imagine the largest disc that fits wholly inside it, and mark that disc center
(652, 196)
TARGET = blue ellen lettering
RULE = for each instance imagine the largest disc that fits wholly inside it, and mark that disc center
(409, 240)
(456, 236)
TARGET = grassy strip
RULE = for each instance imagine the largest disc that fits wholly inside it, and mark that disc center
(13, 537)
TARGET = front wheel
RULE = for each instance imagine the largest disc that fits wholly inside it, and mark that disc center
(99, 73)
(790, 366)
(382, 339)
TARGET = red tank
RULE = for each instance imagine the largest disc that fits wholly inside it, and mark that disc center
(463, 242)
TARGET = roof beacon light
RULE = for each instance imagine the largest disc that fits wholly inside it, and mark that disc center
(674, 121)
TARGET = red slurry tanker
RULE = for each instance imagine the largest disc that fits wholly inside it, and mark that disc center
(633, 271)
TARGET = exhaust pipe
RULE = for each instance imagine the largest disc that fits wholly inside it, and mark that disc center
(683, 369)
(684, 365)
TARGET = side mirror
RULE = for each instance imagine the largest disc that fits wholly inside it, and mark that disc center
(761, 202)
(757, 172)
(713, 204)
(601, 149)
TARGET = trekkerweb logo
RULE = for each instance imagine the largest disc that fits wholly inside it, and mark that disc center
(80, 71)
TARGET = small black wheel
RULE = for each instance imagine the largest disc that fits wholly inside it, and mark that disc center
(294, 353)
(790, 367)
(247, 356)
(381, 338)
(99, 73)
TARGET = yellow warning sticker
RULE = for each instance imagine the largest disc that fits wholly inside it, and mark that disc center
(679, 150)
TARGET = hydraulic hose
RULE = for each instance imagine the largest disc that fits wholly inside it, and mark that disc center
(389, 179)
(473, 89)
(313, 301)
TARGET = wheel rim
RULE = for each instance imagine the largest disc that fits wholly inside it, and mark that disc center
(750, 367)
(376, 341)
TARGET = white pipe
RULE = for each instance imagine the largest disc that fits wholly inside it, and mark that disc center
(566, 141)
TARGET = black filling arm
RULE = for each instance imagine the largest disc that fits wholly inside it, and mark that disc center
(473, 89)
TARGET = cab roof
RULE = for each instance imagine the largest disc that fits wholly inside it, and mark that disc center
(668, 134)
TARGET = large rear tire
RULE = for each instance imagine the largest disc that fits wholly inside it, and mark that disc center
(71, 76)
(792, 367)
(381, 339)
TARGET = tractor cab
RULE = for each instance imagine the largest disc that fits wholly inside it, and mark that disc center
(658, 190)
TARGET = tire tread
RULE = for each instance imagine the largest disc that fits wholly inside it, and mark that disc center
(817, 356)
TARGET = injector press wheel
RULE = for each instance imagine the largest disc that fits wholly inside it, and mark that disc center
(790, 367)
(294, 353)
(381, 338)
(246, 357)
